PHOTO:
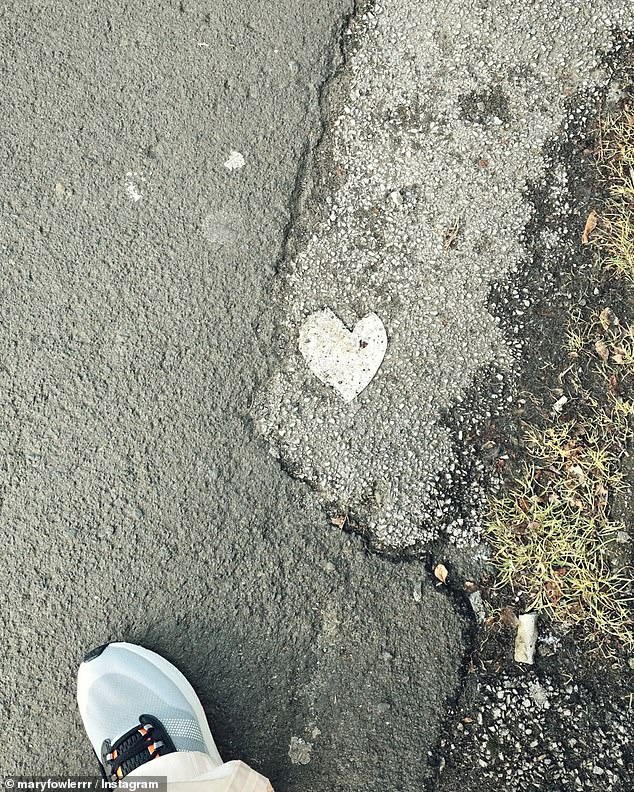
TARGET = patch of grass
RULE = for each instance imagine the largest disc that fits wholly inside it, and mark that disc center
(605, 345)
(550, 530)
(614, 233)
(614, 236)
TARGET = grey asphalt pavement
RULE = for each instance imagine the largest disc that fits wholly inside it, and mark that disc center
(149, 153)
(415, 209)
(183, 184)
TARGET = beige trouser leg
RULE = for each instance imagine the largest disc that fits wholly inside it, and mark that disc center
(195, 772)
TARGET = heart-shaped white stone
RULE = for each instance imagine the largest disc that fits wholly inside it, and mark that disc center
(347, 361)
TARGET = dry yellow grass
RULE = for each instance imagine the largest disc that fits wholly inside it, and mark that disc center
(551, 531)
(614, 233)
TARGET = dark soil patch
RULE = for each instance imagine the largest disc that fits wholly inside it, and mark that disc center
(562, 746)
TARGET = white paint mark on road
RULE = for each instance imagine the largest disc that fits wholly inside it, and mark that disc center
(347, 361)
(133, 180)
(235, 161)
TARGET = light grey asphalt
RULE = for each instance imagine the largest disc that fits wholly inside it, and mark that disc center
(137, 501)
(439, 122)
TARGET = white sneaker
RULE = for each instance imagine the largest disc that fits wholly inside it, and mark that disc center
(137, 706)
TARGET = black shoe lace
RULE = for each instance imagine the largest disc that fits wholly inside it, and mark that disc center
(141, 744)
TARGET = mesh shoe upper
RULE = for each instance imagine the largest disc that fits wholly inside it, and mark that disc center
(118, 685)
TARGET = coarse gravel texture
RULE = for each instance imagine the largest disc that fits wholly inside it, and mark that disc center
(527, 731)
(566, 723)
(415, 206)
(136, 502)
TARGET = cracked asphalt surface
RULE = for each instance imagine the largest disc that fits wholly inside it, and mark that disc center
(416, 208)
(137, 501)
(179, 192)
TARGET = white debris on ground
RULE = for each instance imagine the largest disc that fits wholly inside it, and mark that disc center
(440, 122)
(235, 161)
(299, 751)
(526, 638)
(133, 183)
